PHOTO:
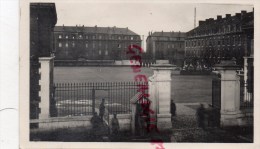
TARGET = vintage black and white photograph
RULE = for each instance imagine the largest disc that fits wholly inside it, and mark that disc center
(145, 72)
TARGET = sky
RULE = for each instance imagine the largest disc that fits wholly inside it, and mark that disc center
(142, 17)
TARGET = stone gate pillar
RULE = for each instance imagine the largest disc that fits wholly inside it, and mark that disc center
(160, 95)
(230, 93)
(46, 85)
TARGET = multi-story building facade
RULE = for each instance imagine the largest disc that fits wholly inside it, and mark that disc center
(43, 18)
(93, 43)
(166, 46)
(218, 39)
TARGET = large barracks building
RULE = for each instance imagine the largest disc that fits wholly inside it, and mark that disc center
(219, 39)
(167, 46)
(93, 43)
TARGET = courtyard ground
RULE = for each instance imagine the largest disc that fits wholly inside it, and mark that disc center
(185, 88)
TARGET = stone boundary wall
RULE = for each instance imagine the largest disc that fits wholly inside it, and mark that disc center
(78, 121)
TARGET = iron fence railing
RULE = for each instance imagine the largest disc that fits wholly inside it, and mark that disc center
(79, 99)
(246, 95)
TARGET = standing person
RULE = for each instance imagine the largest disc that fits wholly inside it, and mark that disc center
(96, 125)
(95, 121)
(102, 109)
(173, 108)
(200, 116)
(115, 125)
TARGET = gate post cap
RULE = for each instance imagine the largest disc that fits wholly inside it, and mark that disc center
(163, 66)
(227, 65)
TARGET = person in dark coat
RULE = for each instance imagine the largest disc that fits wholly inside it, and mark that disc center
(95, 121)
(173, 108)
(200, 116)
(115, 125)
(102, 109)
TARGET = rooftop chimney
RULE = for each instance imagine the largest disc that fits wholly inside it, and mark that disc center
(238, 15)
(228, 16)
(243, 12)
(219, 17)
(201, 23)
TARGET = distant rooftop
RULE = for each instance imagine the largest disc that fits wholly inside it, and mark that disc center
(95, 29)
(168, 34)
(244, 18)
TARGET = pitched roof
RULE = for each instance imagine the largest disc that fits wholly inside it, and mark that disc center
(95, 29)
(169, 34)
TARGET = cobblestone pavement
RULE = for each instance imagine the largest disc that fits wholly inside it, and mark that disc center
(185, 128)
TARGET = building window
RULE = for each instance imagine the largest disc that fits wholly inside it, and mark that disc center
(60, 44)
(173, 45)
(99, 44)
(239, 40)
(132, 38)
(66, 36)
(119, 37)
(219, 42)
(94, 36)
(80, 36)
(106, 53)
(99, 52)
(73, 37)
(73, 44)
(234, 43)
(86, 45)
(119, 45)
(60, 36)
(93, 45)
(67, 45)
(86, 36)
(100, 37)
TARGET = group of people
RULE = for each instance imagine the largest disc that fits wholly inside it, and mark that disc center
(97, 121)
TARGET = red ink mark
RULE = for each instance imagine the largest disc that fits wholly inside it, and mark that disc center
(142, 88)
(141, 78)
(130, 49)
(158, 143)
